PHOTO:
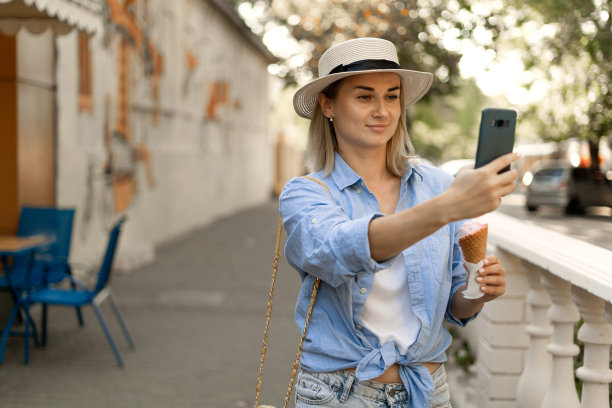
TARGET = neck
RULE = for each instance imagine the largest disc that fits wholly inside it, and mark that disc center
(371, 166)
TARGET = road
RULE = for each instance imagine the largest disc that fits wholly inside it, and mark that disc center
(595, 227)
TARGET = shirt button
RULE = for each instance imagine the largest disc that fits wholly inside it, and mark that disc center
(314, 220)
(358, 191)
(362, 184)
(358, 327)
(363, 291)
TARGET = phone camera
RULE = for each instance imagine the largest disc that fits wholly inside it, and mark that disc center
(500, 123)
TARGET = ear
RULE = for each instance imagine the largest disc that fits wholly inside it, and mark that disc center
(326, 105)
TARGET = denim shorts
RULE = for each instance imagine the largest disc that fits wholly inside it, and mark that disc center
(341, 389)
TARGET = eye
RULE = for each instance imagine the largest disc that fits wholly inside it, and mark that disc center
(393, 97)
(364, 97)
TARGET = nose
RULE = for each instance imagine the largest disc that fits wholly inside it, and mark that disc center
(380, 110)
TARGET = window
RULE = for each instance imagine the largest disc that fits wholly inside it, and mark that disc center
(85, 76)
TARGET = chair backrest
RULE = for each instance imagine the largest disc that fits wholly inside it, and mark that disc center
(50, 221)
(109, 256)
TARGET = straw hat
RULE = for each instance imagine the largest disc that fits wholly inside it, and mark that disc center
(359, 56)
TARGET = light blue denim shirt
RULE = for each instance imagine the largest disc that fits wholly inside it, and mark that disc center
(327, 238)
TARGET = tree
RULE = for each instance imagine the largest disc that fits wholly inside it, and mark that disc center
(445, 128)
(427, 33)
(573, 60)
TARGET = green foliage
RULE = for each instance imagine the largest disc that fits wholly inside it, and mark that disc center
(417, 28)
(461, 352)
(577, 63)
(565, 45)
(446, 128)
(579, 361)
(444, 124)
(463, 356)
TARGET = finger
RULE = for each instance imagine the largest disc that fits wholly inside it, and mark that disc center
(491, 260)
(496, 165)
(489, 267)
(491, 280)
(492, 283)
(491, 292)
(491, 270)
(505, 190)
(506, 178)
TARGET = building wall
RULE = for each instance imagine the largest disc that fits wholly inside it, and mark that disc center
(200, 150)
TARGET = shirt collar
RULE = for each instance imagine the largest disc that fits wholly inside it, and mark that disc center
(412, 169)
(344, 176)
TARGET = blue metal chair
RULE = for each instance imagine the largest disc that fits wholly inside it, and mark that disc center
(55, 223)
(46, 268)
(84, 296)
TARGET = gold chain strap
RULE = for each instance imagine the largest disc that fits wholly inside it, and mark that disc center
(264, 346)
(315, 289)
(313, 296)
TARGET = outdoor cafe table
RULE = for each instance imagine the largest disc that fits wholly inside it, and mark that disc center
(10, 247)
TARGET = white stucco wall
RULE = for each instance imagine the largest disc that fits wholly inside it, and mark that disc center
(202, 168)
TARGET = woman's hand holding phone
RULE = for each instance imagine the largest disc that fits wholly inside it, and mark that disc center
(478, 191)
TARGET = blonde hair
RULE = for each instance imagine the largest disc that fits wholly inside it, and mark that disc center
(322, 143)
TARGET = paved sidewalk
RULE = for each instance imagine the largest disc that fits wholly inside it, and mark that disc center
(196, 315)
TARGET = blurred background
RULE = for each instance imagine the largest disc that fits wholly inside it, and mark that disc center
(178, 114)
(165, 108)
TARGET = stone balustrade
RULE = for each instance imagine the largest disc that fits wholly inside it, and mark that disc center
(525, 340)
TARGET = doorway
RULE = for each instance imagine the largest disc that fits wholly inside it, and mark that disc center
(27, 124)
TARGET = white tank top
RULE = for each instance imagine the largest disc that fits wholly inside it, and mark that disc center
(388, 312)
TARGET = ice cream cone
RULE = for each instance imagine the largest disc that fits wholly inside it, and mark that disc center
(474, 246)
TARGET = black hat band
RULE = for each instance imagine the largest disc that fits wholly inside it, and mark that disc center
(365, 65)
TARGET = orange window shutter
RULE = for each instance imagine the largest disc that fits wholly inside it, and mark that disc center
(85, 76)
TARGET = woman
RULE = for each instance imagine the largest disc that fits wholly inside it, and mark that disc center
(383, 239)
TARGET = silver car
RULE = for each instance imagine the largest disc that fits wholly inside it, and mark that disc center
(558, 184)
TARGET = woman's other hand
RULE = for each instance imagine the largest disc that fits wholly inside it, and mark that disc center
(492, 279)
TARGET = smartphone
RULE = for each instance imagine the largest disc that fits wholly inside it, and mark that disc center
(496, 135)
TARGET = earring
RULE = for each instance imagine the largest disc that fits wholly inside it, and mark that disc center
(331, 119)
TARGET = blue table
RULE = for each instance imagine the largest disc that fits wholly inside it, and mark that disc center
(10, 247)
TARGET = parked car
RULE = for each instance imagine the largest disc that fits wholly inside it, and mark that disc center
(559, 184)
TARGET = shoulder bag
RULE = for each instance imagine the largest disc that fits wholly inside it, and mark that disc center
(264, 346)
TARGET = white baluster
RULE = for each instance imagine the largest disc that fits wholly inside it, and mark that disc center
(596, 334)
(563, 314)
(536, 373)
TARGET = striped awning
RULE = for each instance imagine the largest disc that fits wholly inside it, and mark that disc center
(60, 15)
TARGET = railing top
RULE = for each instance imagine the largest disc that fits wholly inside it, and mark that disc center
(583, 264)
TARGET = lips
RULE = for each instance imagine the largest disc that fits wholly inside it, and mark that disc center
(378, 127)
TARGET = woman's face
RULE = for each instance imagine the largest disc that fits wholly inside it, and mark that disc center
(365, 110)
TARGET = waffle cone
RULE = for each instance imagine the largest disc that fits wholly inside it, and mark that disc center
(474, 246)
